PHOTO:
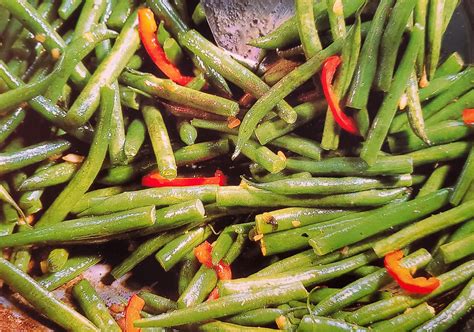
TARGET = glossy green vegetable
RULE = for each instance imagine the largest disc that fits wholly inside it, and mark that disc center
(42, 300)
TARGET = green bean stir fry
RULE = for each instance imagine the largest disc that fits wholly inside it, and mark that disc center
(330, 189)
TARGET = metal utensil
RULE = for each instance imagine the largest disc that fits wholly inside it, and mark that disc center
(235, 22)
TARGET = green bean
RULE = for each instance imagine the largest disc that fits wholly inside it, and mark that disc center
(435, 106)
(10, 122)
(366, 286)
(33, 154)
(74, 267)
(68, 7)
(308, 258)
(203, 151)
(439, 153)
(232, 70)
(453, 110)
(302, 146)
(324, 324)
(146, 249)
(117, 130)
(56, 260)
(435, 181)
(168, 90)
(6, 229)
(464, 180)
(452, 65)
(469, 194)
(42, 300)
(134, 139)
(437, 265)
(436, 26)
(222, 245)
(90, 14)
(30, 202)
(85, 176)
(272, 129)
(84, 229)
(121, 11)
(160, 141)
(452, 313)
(350, 166)
(156, 304)
(95, 197)
(391, 40)
(21, 257)
(408, 320)
(279, 91)
(188, 269)
(309, 276)
(307, 30)
(287, 33)
(261, 155)
(4, 19)
(153, 196)
(439, 133)
(173, 22)
(199, 15)
(199, 287)
(425, 227)
(367, 63)
(288, 218)
(456, 250)
(384, 117)
(419, 16)
(227, 305)
(175, 216)
(257, 317)
(438, 86)
(237, 196)
(414, 112)
(389, 307)
(197, 83)
(187, 132)
(175, 250)
(328, 186)
(13, 29)
(173, 51)
(45, 108)
(353, 228)
(129, 98)
(31, 19)
(108, 71)
(93, 306)
(56, 174)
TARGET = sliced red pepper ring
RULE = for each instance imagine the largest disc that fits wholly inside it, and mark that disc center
(132, 312)
(154, 179)
(404, 278)
(329, 69)
(468, 116)
(147, 29)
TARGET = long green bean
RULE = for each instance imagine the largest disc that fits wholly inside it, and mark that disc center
(93, 306)
(84, 178)
(42, 300)
(384, 117)
(464, 180)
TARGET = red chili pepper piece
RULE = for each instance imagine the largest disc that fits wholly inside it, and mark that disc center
(404, 278)
(214, 295)
(223, 271)
(147, 29)
(468, 116)
(154, 179)
(329, 69)
(132, 313)
(203, 254)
